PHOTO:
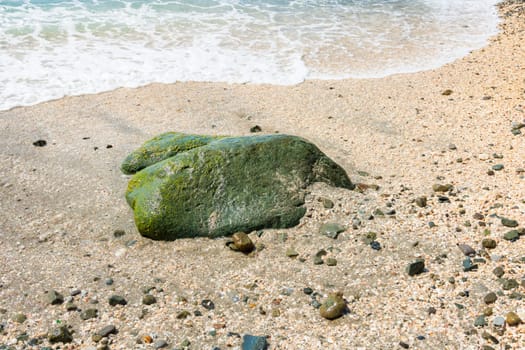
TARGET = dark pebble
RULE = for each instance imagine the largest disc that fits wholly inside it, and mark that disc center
(468, 265)
(421, 201)
(255, 128)
(308, 290)
(420, 337)
(512, 236)
(208, 304)
(404, 345)
(375, 245)
(466, 249)
(508, 284)
(498, 271)
(40, 143)
(117, 300)
(489, 337)
(118, 233)
(443, 199)
(431, 310)
(416, 267)
(490, 298)
(489, 243)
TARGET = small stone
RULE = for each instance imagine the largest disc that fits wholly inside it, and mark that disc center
(208, 304)
(447, 92)
(512, 236)
(452, 147)
(331, 229)
(431, 224)
(431, 310)
(513, 319)
(276, 312)
(498, 271)
(468, 265)
(108, 281)
(331, 261)
(490, 298)
(107, 330)
(404, 345)
(40, 143)
(117, 300)
(488, 311)
(509, 222)
(478, 216)
(443, 199)
(508, 284)
(159, 344)
(255, 128)
(149, 299)
(291, 252)
(375, 245)
(252, 342)
(490, 172)
(242, 242)
(183, 315)
(498, 321)
(88, 314)
(54, 298)
(480, 321)
(497, 167)
(466, 249)
(60, 334)
(19, 318)
(489, 243)
(421, 201)
(327, 203)
(487, 347)
(333, 307)
(416, 267)
(118, 233)
(442, 187)
(308, 290)
(489, 337)
(70, 306)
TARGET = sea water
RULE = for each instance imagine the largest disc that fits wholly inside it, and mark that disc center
(53, 48)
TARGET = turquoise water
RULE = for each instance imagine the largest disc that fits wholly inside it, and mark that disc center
(52, 48)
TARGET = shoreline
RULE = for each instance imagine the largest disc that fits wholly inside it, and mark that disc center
(62, 204)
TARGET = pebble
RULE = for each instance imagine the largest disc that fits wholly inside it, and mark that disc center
(88, 314)
(291, 252)
(108, 281)
(318, 260)
(489, 243)
(497, 167)
(508, 284)
(480, 321)
(149, 299)
(54, 298)
(117, 300)
(333, 307)
(19, 318)
(498, 321)
(308, 290)
(118, 233)
(490, 298)
(375, 245)
(60, 334)
(512, 236)
(107, 330)
(509, 222)
(255, 128)
(421, 201)
(183, 315)
(416, 267)
(253, 342)
(159, 344)
(404, 345)
(442, 187)
(513, 319)
(498, 271)
(331, 261)
(331, 229)
(327, 203)
(466, 249)
(468, 265)
(242, 242)
(489, 337)
(443, 199)
(40, 143)
(208, 304)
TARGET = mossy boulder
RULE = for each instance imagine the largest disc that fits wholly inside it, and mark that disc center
(162, 147)
(228, 185)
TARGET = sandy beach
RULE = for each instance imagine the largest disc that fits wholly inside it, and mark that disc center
(63, 213)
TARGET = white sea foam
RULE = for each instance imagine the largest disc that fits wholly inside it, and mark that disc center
(52, 48)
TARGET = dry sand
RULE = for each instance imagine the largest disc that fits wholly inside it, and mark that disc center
(60, 205)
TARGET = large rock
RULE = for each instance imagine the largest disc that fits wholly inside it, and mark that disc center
(228, 185)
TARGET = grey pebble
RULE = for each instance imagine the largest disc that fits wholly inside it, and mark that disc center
(54, 298)
(466, 249)
(117, 300)
(159, 344)
(107, 330)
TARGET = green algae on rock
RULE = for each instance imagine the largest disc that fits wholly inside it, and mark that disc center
(162, 147)
(229, 184)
